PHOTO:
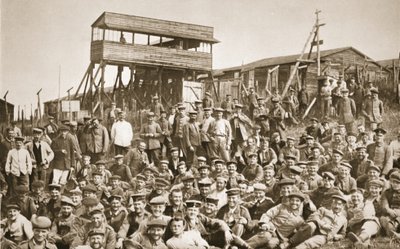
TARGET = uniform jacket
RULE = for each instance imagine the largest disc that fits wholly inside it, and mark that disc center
(242, 122)
(136, 160)
(99, 140)
(191, 134)
(46, 152)
(372, 109)
(118, 221)
(83, 238)
(63, 161)
(30, 245)
(239, 212)
(326, 216)
(381, 155)
(154, 129)
(346, 109)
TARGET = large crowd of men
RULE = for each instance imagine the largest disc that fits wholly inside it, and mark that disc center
(228, 175)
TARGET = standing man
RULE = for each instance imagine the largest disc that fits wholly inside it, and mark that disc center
(41, 155)
(252, 100)
(177, 128)
(165, 138)
(151, 133)
(380, 152)
(303, 99)
(220, 134)
(239, 122)
(191, 138)
(208, 102)
(205, 140)
(121, 134)
(326, 99)
(64, 158)
(372, 109)
(156, 107)
(99, 141)
(277, 116)
(227, 104)
(52, 128)
(137, 158)
(18, 165)
(346, 110)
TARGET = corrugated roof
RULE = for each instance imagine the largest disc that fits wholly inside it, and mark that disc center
(146, 25)
(280, 60)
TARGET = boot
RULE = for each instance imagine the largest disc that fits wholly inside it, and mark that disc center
(353, 237)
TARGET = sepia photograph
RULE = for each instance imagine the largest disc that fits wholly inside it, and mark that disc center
(204, 124)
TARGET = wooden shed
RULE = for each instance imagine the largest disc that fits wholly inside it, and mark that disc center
(347, 60)
(10, 110)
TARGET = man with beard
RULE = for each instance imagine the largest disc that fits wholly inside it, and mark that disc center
(97, 222)
(279, 223)
(210, 208)
(65, 226)
(220, 191)
(41, 228)
(360, 163)
(151, 239)
(121, 134)
(204, 188)
(234, 214)
(137, 216)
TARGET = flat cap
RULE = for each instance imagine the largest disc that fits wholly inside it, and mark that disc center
(344, 90)
(374, 90)
(118, 156)
(197, 101)
(233, 191)
(21, 189)
(259, 186)
(346, 164)
(207, 109)
(201, 159)
(314, 119)
(138, 197)
(63, 128)
(380, 131)
(115, 177)
(97, 173)
(238, 106)
(164, 162)
(376, 182)
(337, 151)
(193, 113)
(193, 203)
(231, 162)
(395, 176)
(219, 160)
(13, 206)
(157, 223)
(21, 139)
(359, 148)
(159, 200)
(74, 192)
(313, 163)
(181, 107)
(188, 177)
(41, 222)
(299, 163)
(290, 138)
(212, 200)
(100, 162)
(296, 170)
(309, 137)
(37, 130)
(150, 114)
(373, 167)
(286, 181)
(90, 188)
(161, 182)
(218, 109)
(329, 175)
(90, 201)
(297, 194)
(140, 177)
(205, 182)
(54, 186)
(340, 197)
(205, 166)
(151, 169)
(290, 157)
(94, 232)
(38, 184)
(174, 149)
(66, 201)
(155, 97)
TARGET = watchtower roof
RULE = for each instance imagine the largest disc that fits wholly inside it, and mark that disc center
(152, 26)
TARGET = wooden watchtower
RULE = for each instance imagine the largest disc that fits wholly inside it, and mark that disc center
(161, 57)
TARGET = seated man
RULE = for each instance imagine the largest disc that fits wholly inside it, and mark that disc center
(323, 226)
(153, 238)
(278, 223)
(41, 228)
(17, 228)
(390, 202)
(182, 239)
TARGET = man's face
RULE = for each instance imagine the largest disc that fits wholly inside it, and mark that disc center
(269, 174)
(192, 212)
(243, 189)
(156, 233)
(188, 184)
(374, 190)
(338, 138)
(176, 198)
(115, 183)
(11, 134)
(210, 208)
(379, 138)
(204, 190)
(138, 206)
(97, 219)
(18, 145)
(86, 161)
(76, 199)
(357, 198)
(115, 204)
(219, 115)
(36, 136)
(361, 128)
(253, 160)
(141, 146)
(361, 154)
(207, 114)
(286, 190)
(220, 184)
(232, 169)
(96, 241)
(97, 179)
(12, 214)
(316, 153)
(66, 211)
(233, 201)
(336, 158)
(203, 172)
(395, 185)
(120, 161)
(175, 154)
(260, 194)
(55, 193)
(295, 203)
(373, 174)
(327, 182)
(157, 209)
(121, 116)
(290, 143)
(177, 227)
(344, 172)
(337, 205)
(38, 191)
(218, 167)
(290, 162)
(182, 169)
(40, 234)
(310, 142)
(312, 169)
(193, 117)
(150, 119)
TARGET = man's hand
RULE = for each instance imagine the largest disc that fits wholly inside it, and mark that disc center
(119, 243)
(228, 237)
(191, 148)
(64, 151)
(326, 226)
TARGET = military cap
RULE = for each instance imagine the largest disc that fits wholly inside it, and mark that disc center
(157, 223)
(115, 177)
(259, 186)
(181, 163)
(218, 109)
(380, 131)
(376, 182)
(37, 130)
(290, 138)
(275, 100)
(161, 182)
(221, 178)
(302, 163)
(97, 173)
(115, 196)
(86, 156)
(212, 200)
(21, 189)
(159, 200)
(38, 184)
(374, 90)
(151, 169)
(120, 111)
(73, 123)
(150, 114)
(95, 211)
(54, 186)
(238, 106)
(267, 166)
(41, 222)
(90, 188)
(193, 203)
(346, 164)
(201, 159)
(252, 154)
(340, 197)
(207, 109)
(208, 93)
(118, 156)
(219, 160)
(290, 157)
(337, 151)
(63, 128)
(20, 139)
(373, 167)
(197, 101)
(66, 201)
(313, 163)
(193, 113)
(361, 148)
(86, 118)
(295, 169)
(286, 181)
(297, 194)
(94, 232)
(90, 201)
(75, 191)
(187, 177)
(155, 97)
(164, 162)
(233, 191)
(231, 162)
(395, 176)
(329, 175)
(260, 98)
(344, 90)
(174, 149)
(205, 166)
(314, 119)
(101, 162)
(309, 137)
(243, 181)
(205, 182)
(181, 107)
(138, 197)
(13, 206)
(315, 146)
(351, 134)
(140, 177)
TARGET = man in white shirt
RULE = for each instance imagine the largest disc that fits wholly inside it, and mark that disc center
(19, 165)
(121, 134)
(395, 145)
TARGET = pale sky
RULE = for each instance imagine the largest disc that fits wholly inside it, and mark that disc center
(39, 36)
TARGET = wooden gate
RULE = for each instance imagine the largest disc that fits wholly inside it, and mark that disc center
(191, 91)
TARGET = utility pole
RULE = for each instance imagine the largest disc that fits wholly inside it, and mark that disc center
(318, 51)
(69, 103)
(6, 105)
(39, 108)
